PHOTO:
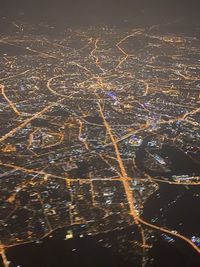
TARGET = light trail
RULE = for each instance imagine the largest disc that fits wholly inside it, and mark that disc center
(97, 62)
(126, 55)
(22, 125)
(6, 263)
(30, 171)
(170, 232)
(123, 179)
(2, 88)
(177, 183)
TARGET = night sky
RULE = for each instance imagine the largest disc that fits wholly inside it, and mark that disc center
(93, 12)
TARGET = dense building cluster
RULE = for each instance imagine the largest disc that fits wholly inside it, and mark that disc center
(90, 120)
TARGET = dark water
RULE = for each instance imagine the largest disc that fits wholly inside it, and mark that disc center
(88, 253)
(180, 163)
(53, 252)
(179, 212)
(60, 253)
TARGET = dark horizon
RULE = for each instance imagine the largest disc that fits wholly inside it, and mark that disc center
(88, 12)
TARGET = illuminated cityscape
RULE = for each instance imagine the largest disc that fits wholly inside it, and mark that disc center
(99, 134)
